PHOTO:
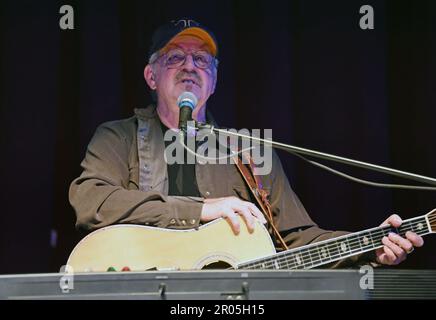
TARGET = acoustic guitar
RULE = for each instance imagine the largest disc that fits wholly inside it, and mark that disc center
(214, 245)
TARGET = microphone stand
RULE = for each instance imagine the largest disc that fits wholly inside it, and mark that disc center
(326, 156)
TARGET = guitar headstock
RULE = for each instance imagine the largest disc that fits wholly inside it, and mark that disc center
(431, 216)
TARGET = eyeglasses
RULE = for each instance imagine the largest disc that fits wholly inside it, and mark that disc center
(176, 58)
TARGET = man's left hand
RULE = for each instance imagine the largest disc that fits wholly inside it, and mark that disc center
(396, 248)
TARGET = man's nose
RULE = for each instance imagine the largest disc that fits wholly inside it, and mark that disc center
(189, 63)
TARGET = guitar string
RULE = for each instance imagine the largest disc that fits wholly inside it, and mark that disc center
(303, 255)
(378, 234)
(309, 254)
(354, 239)
(307, 251)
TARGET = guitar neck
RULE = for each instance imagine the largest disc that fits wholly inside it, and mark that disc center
(327, 251)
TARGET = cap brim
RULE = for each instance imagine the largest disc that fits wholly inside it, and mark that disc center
(201, 34)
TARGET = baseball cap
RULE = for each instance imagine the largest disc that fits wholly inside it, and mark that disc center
(188, 27)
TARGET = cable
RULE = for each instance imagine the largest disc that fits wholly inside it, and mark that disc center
(210, 158)
(365, 182)
(324, 167)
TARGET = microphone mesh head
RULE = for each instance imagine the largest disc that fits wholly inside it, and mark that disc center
(187, 99)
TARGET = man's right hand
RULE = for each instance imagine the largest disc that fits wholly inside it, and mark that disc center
(229, 208)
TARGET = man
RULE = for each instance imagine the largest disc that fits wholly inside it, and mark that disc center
(125, 178)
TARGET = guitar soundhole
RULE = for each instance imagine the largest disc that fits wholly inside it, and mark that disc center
(217, 265)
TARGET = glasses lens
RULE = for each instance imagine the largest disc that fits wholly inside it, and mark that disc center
(175, 58)
(202, 59)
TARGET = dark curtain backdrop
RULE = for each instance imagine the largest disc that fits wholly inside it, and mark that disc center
(303, 68)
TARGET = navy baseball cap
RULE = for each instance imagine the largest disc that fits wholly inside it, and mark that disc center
(187, 27)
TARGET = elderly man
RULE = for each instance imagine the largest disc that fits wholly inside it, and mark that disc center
(125, 177)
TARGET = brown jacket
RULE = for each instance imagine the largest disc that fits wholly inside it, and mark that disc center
(124, 180)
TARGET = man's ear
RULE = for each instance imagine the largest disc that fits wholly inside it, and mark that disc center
(150, 77)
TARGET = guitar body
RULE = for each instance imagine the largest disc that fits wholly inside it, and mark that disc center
(214, 245)
(143, 248)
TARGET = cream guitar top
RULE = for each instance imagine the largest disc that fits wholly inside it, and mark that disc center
(214, 245)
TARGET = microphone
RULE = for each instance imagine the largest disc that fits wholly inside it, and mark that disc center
(187, 102)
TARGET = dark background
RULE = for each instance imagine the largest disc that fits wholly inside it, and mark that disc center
(303, 68)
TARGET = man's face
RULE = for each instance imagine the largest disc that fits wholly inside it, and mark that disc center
(170, 81)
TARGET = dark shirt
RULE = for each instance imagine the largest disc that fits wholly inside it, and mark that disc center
(181, 177)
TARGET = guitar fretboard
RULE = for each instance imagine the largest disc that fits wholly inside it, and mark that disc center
(331, 250)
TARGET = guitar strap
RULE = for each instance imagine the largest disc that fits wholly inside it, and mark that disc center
(260, 194)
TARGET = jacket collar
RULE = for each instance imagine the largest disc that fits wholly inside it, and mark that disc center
(150, 112)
